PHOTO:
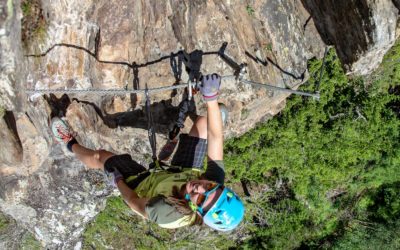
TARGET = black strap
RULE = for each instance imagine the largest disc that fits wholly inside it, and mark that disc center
(176, 67)
(150, 127)
(193, 63)
(133, 183)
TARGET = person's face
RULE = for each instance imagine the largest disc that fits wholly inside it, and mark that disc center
(196, 190)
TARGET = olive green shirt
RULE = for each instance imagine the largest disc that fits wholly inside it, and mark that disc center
(159, 185)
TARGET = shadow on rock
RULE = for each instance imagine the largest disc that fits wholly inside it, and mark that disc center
(277, 66)
(164, 114)
(58, 106)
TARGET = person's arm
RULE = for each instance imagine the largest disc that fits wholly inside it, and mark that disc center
(215, 136)
(209, 87)
(137, 204)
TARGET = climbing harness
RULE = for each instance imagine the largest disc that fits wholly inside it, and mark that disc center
(150, 129)
(192, 62)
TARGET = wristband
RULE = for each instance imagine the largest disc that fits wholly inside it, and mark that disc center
(211, 98)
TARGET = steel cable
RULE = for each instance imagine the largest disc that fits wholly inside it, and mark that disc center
(159, 89)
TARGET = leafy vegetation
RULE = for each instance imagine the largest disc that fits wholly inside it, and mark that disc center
(372, 236)
(377, 225)
(34, 25)
(319, 159)
(322, 174)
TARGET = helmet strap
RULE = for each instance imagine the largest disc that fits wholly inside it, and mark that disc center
(199, 209)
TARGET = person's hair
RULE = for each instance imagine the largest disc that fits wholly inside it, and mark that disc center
(182, 205)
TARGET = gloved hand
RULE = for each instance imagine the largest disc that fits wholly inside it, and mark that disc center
(209, 87)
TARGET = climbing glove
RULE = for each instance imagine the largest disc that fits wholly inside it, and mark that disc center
(209, 87)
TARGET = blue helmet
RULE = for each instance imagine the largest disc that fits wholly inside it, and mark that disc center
(226, 213)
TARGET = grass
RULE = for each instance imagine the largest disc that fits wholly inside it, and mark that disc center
(268, 47)
(26, 7)
(117, 227)
(250, 10)
(4, 222)
(372, 236)
(28, 242)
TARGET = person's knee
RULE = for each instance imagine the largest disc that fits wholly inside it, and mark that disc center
(103, 156)
(97, 159)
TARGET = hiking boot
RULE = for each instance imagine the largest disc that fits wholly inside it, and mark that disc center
(61, 131)
(224, 113)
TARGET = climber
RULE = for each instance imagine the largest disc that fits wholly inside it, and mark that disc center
(169, 198)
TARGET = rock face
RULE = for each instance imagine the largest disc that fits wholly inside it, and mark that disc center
(127, 44)
(361, 31)
(10, 137)
(11, 60)
(397, 4)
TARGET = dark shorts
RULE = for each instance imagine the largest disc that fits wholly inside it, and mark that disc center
(128, 168)
(189, 154)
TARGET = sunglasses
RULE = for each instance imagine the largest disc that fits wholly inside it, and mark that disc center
(211, 188)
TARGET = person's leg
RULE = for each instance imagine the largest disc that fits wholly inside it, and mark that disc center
(91, 158)
(132, 172)
(94, 159)
(199, 128)
(193, 146)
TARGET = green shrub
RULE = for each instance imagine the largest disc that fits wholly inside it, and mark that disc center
(378, 223)
(370, 236)
(329, 151)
